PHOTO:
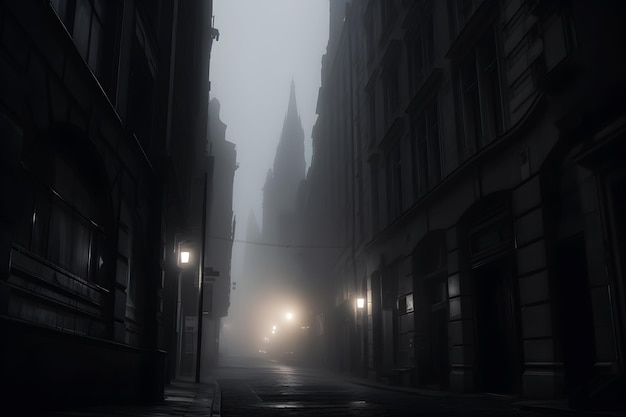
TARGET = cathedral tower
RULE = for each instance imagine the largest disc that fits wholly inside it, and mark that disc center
(282, 182)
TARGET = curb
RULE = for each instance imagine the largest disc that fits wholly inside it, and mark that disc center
(216, 407)
(567, 411)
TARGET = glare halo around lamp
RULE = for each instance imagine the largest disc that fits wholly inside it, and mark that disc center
(360, 302)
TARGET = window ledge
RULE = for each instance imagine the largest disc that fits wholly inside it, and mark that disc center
(427, 90)
(451, 178)
(395, 128)
(557, 78)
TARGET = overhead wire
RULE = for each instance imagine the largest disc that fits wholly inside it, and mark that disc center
(277, 245)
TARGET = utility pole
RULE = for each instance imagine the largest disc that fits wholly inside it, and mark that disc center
(201, 275)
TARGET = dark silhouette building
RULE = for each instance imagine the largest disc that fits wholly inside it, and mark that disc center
(273, 277)
(280, 193)
(247, 335)
(466, 170)
(103, 117)
(221, 231)
(282, 183)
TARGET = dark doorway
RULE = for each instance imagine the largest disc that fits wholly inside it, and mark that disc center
(377, 324)
(618, 219)
(435, 368)
(430, 286)
(577, 317)
(496, 327)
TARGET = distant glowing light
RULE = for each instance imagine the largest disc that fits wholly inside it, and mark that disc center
(184, 257)
(289, 316)
(274, 327)
(360, 302)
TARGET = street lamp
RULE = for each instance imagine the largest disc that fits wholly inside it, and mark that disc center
(360, 302)
(289, 316)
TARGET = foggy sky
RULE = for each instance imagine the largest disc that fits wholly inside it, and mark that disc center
(263, 44)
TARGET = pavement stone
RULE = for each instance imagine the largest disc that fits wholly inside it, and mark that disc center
(181, 399)
(555, 407)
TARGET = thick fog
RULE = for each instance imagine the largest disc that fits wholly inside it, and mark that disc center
(263, 47)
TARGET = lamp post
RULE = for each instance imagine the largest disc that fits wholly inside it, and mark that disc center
(360, 306)
(201, 275)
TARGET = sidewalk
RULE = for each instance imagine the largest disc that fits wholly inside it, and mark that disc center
(182, 399)
(556, 407)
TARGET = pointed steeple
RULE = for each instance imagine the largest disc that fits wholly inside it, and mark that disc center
(292, 109)
(282, 182)
(289, 160)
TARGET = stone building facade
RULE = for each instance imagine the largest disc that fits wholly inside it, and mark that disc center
(99, 167)
(466, 182)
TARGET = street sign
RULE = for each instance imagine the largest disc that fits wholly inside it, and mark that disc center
(210, 272)
(191, 323)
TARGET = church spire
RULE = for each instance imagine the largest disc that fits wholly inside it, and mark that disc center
(289, 160)
(292, 109)
(281, 185)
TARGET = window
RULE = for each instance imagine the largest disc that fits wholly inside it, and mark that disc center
(141, 90)
(360, 208)
(421, 55)
(370, 37)
(480, 96)
(372, 117)
(558, 35)
(63, 220)
(425, 149)
(462, 11)
(394, 181)
(374, 207)
(63, 8)
(387, 13)
(90, 24)
(391, 98)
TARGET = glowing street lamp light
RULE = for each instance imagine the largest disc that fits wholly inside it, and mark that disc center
(360, 302)
(184, 257)
(289, 316)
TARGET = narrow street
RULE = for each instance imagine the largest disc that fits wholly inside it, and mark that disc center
(266, 388)
(203, 198)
